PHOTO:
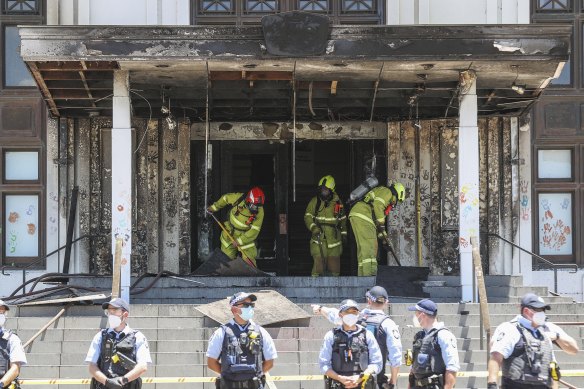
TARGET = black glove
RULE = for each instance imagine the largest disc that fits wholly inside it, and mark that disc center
(114, 383)
(385, 244)
(492, 385)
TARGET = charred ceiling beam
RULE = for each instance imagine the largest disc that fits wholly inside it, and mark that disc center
(491, 42)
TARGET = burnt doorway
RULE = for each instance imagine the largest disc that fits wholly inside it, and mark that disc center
(244, 165)
(349, 162)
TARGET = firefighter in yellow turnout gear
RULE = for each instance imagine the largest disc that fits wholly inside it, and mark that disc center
(326, 220)
(367, 219)
(244, 222)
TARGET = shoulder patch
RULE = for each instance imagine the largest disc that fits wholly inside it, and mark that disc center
(395, 333)
(501, 336)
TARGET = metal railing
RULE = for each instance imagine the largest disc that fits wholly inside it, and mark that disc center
(553, 266)
(40, 260)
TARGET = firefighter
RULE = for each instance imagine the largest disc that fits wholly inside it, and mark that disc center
(241, 351)
(524, 348)
(386, 332)
(12, 356)
(350, 356)
(326, 220)
(118, 355)
(367, 219)
(435, 355)
(244, 222)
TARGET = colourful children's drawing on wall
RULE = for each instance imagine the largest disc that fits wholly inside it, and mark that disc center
(555, 224)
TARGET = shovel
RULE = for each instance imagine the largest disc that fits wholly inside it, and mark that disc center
(243, 255)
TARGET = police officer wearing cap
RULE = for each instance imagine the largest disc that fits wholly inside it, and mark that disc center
(435, 355)
(386, 332)
(523, 348)
(241, 351)
(118, 355)
(350, 356)
(12, 356)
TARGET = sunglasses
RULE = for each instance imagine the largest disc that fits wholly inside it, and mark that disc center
(246, 305)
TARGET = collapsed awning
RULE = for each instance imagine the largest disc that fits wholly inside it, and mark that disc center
(365, 73)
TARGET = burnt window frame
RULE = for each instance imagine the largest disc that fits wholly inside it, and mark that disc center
(334, 11)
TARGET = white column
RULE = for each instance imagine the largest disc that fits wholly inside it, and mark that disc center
(468, 179)
(122, 175)
(525, 201)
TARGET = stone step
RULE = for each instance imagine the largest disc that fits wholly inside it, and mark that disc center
(497, 291)
(490, 280)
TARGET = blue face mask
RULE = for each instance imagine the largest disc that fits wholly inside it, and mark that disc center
(246, 313)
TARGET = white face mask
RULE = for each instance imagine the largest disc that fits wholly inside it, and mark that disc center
(538, 318)
(2, 319)
(416, 322)
(114, 321)
(350, 319)
(246, 313)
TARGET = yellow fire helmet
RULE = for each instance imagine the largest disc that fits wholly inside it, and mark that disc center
(400, 191)
(327, 181)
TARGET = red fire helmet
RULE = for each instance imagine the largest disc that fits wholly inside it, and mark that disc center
(255, 196)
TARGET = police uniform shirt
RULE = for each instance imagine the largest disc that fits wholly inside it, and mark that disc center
(326, 351)
(216, 342)
(507, 335)
(142, 349)
(393, 338)
(447, 342)
(16, 351)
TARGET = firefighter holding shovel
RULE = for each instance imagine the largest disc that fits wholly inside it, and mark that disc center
(243, 224)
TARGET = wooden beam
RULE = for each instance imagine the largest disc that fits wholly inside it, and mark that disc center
(82, 75)
(45, 91)
(250, 76)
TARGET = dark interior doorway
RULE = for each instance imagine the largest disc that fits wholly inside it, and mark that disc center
(283, 244)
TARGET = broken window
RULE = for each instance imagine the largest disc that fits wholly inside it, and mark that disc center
(20, 7)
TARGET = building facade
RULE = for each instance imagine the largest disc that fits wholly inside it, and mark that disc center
(250, 144)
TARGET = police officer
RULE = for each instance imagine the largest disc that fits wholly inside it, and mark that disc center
(368, 223)
(244, 222)
(350, 354)
(118, 355)
(523, 347)
(325, 218)
(435, 355)
(386, 332)
(241, 351)
(12, 356)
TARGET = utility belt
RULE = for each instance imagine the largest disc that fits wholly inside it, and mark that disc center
(136, 384)
(507, 383)
(256, 383)
(329, 383)
(434, 381)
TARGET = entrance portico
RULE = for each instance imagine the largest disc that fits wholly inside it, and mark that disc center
(368, 79)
